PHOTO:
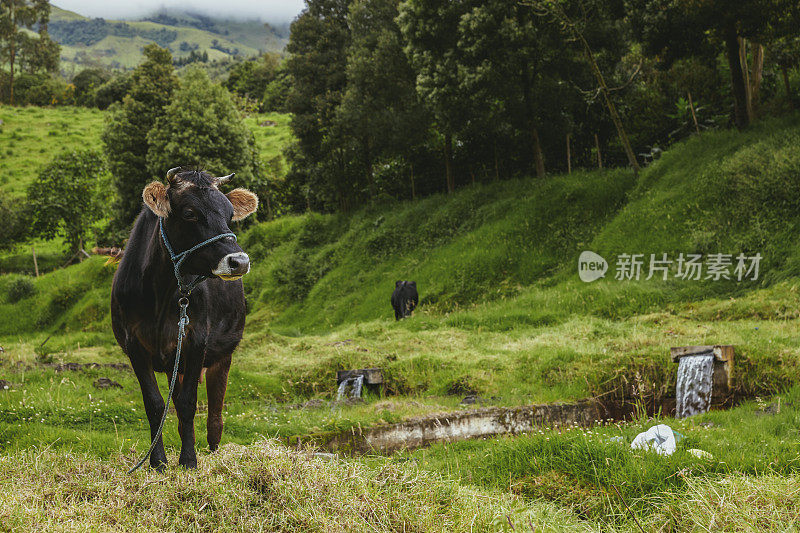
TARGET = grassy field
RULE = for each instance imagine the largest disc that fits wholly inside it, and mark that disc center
(266, 487)
(503, 315)
(31, 136)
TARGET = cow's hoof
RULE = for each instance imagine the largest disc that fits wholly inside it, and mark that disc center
(158, 466)
(190, 463)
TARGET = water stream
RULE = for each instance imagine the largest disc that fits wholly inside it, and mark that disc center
(693, 393)
(356, 383)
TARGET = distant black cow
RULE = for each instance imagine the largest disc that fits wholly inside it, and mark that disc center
(144, 299)
(404, 298)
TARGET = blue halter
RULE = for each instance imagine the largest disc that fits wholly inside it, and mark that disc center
(178, 259)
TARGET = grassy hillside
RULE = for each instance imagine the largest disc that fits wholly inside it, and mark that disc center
(503, 315)
(119, 44)
(502, 310)
(31, 136)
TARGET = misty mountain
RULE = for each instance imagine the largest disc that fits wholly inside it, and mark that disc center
(90, 42)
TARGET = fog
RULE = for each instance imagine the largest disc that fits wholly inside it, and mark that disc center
(266, 10)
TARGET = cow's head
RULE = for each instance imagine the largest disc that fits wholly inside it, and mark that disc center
(194, 210)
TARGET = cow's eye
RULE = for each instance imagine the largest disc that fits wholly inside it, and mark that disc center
(189, 215)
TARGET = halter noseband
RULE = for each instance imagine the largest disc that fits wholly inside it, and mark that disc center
(178, 259)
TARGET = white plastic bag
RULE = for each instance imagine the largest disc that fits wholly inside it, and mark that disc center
(658, 438)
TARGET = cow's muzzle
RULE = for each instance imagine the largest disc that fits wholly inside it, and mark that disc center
(232, 266)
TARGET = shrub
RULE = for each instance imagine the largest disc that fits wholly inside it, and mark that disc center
(65, 198)
(13, 223)
(42, 90)
(19, 289)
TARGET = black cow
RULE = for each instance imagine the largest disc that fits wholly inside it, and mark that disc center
(144, 299)
(404, 298)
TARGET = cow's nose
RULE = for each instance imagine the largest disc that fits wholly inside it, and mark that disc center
(233, 266)
(239, 264)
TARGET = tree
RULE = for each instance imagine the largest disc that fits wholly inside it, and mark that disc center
(113, 90)
(87, 82)
(201, 127)
(251, 78)
(787, 56)
(581, 20)
(64, 198)
(380, 111)
(16, 46)
(319, 174)
(277, 91)
(430, 32)
(125, 134)
(508, 58)
(682, 28)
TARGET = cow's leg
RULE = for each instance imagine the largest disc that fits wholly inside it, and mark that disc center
(153, 402)
(216, 385)
(175, 393)
(186, 404)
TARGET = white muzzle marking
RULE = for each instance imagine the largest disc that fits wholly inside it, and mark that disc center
(223, 269)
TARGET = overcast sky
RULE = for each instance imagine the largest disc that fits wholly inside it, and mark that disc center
(267, 10)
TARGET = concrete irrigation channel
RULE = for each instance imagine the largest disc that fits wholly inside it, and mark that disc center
(451, 427)
(493, 421)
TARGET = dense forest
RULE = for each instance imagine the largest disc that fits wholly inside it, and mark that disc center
(397, 99)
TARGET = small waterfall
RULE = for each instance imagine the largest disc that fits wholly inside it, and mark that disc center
(693, 393)
(356, 383)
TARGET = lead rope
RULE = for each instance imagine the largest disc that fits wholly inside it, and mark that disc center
(185, 289)
(183, 321)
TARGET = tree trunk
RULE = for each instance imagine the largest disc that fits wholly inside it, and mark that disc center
(597, 146)
(11, 59)
(35, 262)
(756, 75)
(368, 172)
(787, 85)
(538, 159)
(612, 110)
(448, 163)
(413, 187)
(746, 77)
(496, 163)
(738, 87)
(694, 116)
(527, 97)
(569, 157)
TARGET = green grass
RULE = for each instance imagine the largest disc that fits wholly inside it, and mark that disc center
(581, 468)
(271, 137)
(31, 136)
(265, 487)
(502, 314)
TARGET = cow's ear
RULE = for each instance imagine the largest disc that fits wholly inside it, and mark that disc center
(244, 203)
(155, 196)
